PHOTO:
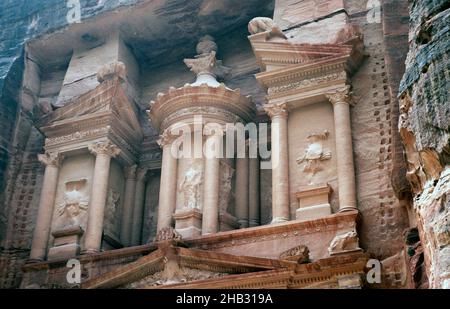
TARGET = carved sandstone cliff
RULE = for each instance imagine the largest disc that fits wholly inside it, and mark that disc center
(424, 127)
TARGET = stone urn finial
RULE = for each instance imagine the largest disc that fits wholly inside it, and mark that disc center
(205, 65)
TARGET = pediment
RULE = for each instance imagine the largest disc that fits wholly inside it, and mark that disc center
(107, 101)
(189, 265)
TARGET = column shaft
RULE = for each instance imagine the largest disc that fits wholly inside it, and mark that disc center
(344, 156)
(45, 213)
(253, 194)
(210, 221)
(242, 191)
(168, 188)
(96, 211)
(128, 205)
(280, 168)
(138, 211)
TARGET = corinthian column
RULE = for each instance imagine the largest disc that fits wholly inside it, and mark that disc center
(210, 219)
(138, 211)
(128, 205)
(280, 165)
(103, 151)
(344, 149)
(168, 185)
(52, 163)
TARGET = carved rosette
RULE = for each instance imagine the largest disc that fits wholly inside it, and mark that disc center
(277, 110)
(51, 159)
(105, 148)
(342, 95)
(130, 172)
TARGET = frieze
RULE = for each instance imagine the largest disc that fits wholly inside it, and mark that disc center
(270, 235)
(79, 135)
(191, 111)
(307, 82)
(270, 81)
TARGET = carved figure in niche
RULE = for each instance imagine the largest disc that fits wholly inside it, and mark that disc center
(111, 217)
(225, 193)
(190, 186)
(315, 153)
(72, 211)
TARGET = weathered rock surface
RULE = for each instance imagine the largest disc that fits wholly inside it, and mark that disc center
(425, 129)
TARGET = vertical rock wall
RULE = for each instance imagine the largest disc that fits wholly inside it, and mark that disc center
(424, 127)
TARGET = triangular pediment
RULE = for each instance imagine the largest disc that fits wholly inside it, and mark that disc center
(192, 264)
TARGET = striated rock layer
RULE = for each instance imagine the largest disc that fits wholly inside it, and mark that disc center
(424, 127)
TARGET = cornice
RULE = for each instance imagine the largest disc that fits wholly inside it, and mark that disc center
(281, 230)
(196, 97)
(295, 73)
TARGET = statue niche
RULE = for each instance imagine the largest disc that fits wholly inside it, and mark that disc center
(73, 210)
(190, 187)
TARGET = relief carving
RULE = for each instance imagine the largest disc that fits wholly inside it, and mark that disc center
(315, 153)
(300, 254)
(73, 210)
(111, 210)
(190, 187)
(344, 242)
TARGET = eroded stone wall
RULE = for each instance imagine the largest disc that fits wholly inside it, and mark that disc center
(424, 127)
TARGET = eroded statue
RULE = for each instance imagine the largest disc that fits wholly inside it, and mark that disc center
(315, 153)
(112, 206)
(73, 210)
(344, 242)
(225, 193)
(190, 186)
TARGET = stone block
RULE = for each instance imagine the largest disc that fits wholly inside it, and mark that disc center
(66, 243)
(188, 222)
(313, 202)
(64, 251)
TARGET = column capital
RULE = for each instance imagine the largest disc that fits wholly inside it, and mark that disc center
(342, 95)
(166, 138)
(107, 148)
(130, 171)
(277, 110)
(51, 158)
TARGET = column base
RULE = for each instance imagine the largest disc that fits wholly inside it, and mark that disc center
(243, 224)
(89, 251)
(279, 220)
(348, 208)
(227, 222)
(253, 223)
(34, 260)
